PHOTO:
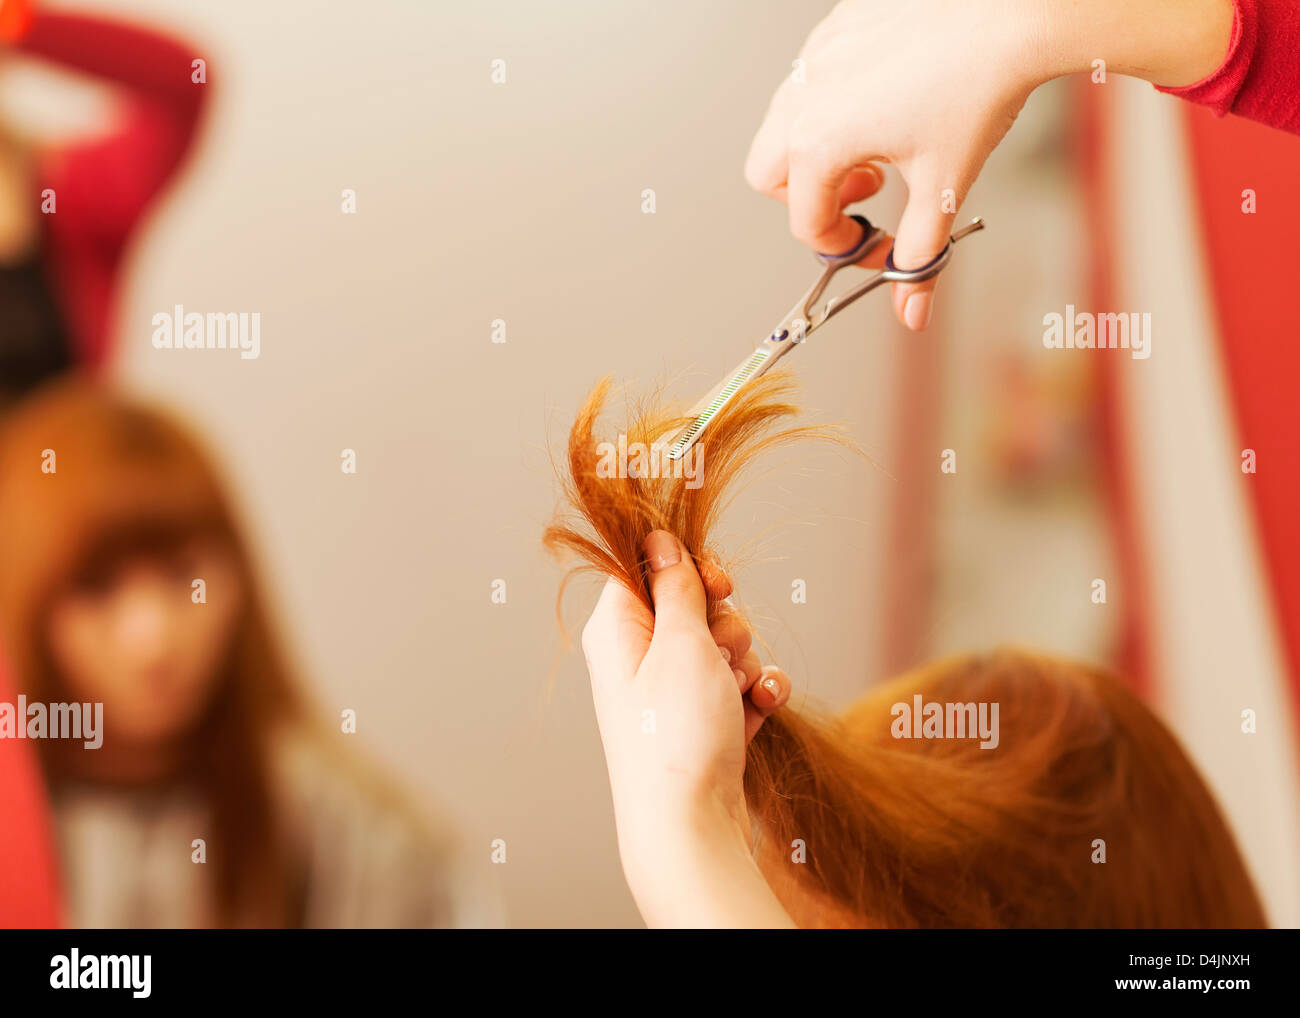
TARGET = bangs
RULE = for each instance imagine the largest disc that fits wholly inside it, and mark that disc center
(150, 504)
(160, 537)
(85, 480)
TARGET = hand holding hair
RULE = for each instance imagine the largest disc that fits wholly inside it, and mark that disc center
(677, 702)
(732, 813)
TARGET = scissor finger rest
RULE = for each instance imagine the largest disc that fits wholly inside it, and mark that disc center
(871, 236)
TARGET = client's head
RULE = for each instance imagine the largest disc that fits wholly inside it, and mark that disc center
(1000, 790)
(123, 579)
(1003, 789)
(124, 582)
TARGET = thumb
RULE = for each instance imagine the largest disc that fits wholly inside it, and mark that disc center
(922, 233)
(675, 585)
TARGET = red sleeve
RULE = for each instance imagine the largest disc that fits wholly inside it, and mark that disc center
(1260, 77)
(29, 896)
(103, 186)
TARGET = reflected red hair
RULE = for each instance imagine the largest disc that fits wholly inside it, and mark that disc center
(129, 480)
(932, 832)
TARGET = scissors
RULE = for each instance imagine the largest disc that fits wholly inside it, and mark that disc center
(804, 318)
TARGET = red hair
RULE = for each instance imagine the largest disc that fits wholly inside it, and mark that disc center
(128, 479)
(864, 829)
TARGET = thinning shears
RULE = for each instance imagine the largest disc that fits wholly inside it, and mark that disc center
(804, 318)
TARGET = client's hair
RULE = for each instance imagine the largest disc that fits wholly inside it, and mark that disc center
(908, 832)
(131, 481)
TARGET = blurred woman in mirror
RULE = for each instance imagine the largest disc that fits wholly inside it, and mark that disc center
(214, 799)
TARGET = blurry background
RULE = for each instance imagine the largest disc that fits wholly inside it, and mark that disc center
(522, 201)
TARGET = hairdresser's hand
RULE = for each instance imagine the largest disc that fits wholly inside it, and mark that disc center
(677, 702)
(674, 718)
(932, 86)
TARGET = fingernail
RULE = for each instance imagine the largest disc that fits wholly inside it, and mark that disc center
(772, 686)
(916, 311)
(726, 654)
(662, 550)
(740, 677)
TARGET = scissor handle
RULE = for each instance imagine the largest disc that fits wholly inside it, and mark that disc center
(871, 236)
(803, 312)
(891, 273)
(935, 265)
(927, 271)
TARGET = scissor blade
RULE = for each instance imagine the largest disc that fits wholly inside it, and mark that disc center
(793, 330)
(706, 409)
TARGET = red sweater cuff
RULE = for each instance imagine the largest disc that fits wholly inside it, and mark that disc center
(15, 20)
(1260, 76)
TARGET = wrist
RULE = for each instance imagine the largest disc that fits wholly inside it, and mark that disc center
(669, 833)
(1166, 42)
(707, 884)
(697, 870)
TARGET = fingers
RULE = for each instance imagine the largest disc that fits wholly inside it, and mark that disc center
(863, 182)
(618, 633)
(767, 166)
(814, 185)
(799, 166)
(817, 216)
(922, 233)
(675, 586)
(875, 258)
(770, 693)
(747, 671)
(772, 690)
(680, 603)
(717, 584)
(679, 599)
(732, 637)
